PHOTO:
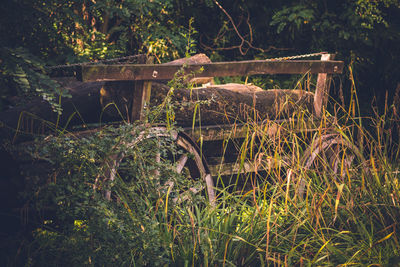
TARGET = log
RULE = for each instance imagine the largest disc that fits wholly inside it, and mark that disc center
(219, 104)
(196, 59)
(37, 117)
(232, 103)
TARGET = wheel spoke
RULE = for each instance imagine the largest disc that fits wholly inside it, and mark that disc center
(181, 163)
(156, 172)
(210, 189)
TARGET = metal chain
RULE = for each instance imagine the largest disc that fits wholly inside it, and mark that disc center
(296, 57)
(136, 56)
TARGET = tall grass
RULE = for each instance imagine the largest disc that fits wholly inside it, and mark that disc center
(286, 213)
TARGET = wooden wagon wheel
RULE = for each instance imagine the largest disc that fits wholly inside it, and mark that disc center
(186, 158)
(330, 154)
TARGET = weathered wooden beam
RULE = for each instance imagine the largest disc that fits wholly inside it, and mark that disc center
(217, 132)
(141, 96)
(232, 168)
(234, 131)
(153, 72)
(322, 88)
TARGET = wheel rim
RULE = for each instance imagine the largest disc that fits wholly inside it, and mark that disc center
(330, 154)
(188, 160)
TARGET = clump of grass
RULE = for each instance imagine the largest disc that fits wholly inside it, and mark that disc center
(347, 212)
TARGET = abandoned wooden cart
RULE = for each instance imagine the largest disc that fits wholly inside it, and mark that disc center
(210, 114)
(229, 105)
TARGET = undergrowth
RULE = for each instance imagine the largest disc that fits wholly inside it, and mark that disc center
(305, 205)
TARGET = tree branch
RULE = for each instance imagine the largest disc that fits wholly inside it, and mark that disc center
(243, 41)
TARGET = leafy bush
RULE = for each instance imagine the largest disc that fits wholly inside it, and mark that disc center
(23, 75)
(84, 227)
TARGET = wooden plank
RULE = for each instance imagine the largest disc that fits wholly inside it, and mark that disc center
(141, 96)
(217, 132)
(322, 88)
(233, 168)
(138, 101)
(231, 131)
(153, 72)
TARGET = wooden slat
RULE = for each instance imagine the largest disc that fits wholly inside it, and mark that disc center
(231, 168)
(232, 131)
(155, 72)
(217, 132)
(235, 167)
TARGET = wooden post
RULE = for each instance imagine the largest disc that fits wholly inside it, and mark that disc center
(322, 88)
(141, 96)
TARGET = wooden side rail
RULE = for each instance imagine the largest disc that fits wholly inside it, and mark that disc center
(154, 72)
